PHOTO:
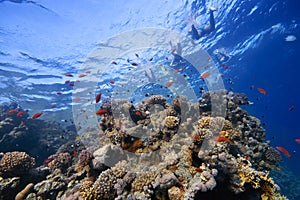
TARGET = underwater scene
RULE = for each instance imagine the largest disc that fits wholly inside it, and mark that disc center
(149, 100)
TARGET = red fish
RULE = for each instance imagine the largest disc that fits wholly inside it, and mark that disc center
(112, 81)
(196, 137)
(262, 90)
(101, 112)
(77, 99)
(19, 114)
(222, 139)
(12, 111)
(98, 97)
(168, 84)
(138, 113)
(204, 75)
(52, 106)
(69, 75)
(59, 93)
(36, 115)
(297, 140)
(225, 66)
(284, 151)
(67, 81)
(81, 75)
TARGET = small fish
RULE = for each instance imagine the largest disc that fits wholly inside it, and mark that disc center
(168, 84)
(290, 38)
(81, 75)
(36, 115)
(262, 90)
(284, 151)
(292, 107)
(297, 140)
(98, 97)
(12, 111)
(19, 114)
(150, 59)
(67, 81)
(59, 93)
(204, 75)
(112, 81)
(176, 71)
(72, 84)
(134, 64)
(69, 75)
(137, 55)
(101, 112)
(52, 106)
(138, 113)
(77, 99)
(225, 66)
(196, 137)
(222, 139)
(88, 71)
(114, 62)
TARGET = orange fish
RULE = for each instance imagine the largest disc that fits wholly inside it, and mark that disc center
(98, 97)
(36, 115)
(101, 112)
(262, 90)
(19, 114)
(138, 113)
(81, 75)
(12, 111)
(284, 151)
(176, 71)
(77, 99)
(222, 139)
(168, 84)
(196, 137)
(297, 140)
(69, 75)
(204, 75)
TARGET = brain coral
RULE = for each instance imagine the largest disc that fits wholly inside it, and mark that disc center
(15, 163)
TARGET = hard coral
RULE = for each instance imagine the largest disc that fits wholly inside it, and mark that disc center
(104, 186)
(15, 163)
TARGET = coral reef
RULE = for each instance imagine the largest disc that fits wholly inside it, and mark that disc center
(194, 153)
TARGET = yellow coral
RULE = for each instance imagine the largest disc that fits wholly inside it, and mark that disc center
(171, 122)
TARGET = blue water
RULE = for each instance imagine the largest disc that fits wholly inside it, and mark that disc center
(41, 41)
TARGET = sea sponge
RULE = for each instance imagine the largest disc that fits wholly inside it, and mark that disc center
(15, 163)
